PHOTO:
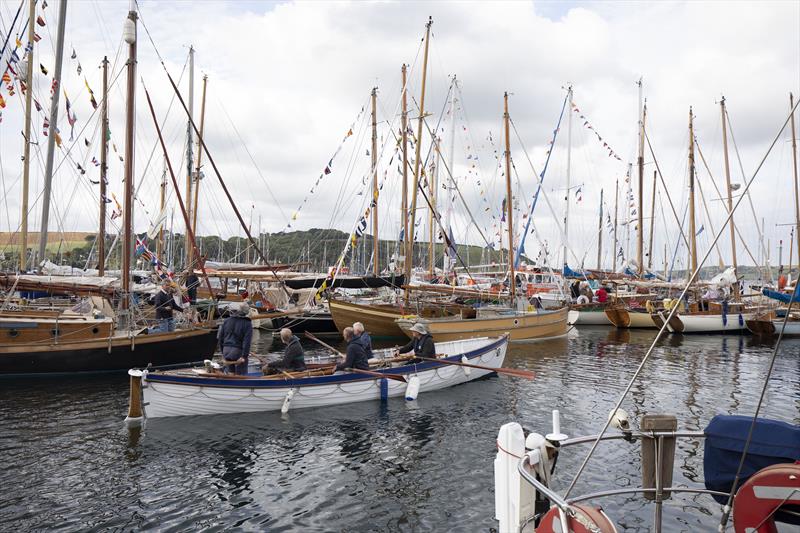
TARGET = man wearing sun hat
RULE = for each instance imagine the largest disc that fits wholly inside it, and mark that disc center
(421, 343)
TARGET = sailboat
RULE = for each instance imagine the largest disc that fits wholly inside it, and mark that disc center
(521, 324)
(90, 345)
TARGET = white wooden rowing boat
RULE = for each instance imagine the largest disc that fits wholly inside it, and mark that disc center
(182, 393)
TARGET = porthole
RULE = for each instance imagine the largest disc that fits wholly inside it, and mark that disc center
(13, 333)
(95, 330)
(55, 332)
(516, 322)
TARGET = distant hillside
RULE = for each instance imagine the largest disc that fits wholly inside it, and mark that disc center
(78, 237)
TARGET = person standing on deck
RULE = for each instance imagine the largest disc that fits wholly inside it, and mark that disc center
(356, 357)
(421, 343)
(361, 336)
(165, 306)
(602, 295)
(192, 282)
(234, 336)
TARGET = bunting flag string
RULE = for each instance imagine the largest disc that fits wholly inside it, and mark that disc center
(589, 126)
(325, 172)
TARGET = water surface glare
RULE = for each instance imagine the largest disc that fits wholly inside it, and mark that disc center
(71, 464)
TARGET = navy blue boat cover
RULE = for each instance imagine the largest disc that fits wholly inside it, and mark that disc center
(773, 442)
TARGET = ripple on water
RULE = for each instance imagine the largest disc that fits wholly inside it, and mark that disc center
(419, 466)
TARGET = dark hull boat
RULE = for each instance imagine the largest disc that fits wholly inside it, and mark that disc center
(112, 354)
(317, 322)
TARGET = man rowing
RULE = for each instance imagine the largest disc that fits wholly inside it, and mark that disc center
(357, 357)
(421, 342)
(293, 356)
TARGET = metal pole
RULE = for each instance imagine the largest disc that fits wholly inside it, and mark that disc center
(127, 212)
(730, 191)
(692, 231)
(51, 139)
(512, 286)
(640, 211)
(189, 158)
(600, 232)
(569, 170)
(404, 136)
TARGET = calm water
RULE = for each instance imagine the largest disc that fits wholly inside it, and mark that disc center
(70, 463)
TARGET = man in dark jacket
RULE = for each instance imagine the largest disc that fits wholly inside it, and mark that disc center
(421, 343)
(357, 357)
(165, 305)
(293, 357)
(192, 282)
(234, 337)
(362, 337)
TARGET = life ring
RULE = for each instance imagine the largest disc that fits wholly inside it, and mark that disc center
(582, 519)
(755, 502)
(582, 299)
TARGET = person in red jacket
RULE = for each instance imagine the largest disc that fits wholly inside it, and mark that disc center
(602, 295)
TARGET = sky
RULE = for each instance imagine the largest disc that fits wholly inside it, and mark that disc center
(288, 80)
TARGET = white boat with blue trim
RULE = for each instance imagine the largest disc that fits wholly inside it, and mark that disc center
(196, 391)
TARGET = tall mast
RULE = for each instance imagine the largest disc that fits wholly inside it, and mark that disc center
(600, 232)
(652, 223)
(417, 149)
(189, 157)
(162, 203)
(374, 203)
(692, 231)
(512, 286)
(730, 190)
(796, 185)
(200, 157)
(432, 180)
(616, 211)
(450, 177)
(569, 170)
(404, 136)
(51, 138)
(640, 163)
(129, 35)
(101, 243)
(26, 165)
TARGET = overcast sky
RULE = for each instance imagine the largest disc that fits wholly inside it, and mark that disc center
(287, 80)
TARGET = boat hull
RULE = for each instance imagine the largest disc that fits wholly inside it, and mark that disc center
(109, 355)
(521, 327)
(378, 320)
(318, 323)
(710, 323)
(167, 395)
(595, 316)
(625, 318)
(770, 327)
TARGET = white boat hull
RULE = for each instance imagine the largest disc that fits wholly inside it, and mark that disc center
(588, 318)
(709, 323)
(169, 395)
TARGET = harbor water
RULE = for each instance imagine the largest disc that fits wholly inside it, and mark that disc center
(71, 464)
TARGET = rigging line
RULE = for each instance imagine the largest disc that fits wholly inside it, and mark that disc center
(539, 179)
(664, 185)
(749, 197)
(725, 205)
(252, 159)
(708, 217)
(672, 312)
(11, 29)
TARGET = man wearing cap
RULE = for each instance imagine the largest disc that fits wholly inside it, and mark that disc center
(356, 354)
(165, 306)
(421, 343)
(234, 337)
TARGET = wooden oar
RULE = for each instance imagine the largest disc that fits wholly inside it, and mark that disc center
(515, 372)
(357, 371)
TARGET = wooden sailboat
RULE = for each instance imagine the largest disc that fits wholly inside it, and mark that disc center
(29, 352)
(522, 325)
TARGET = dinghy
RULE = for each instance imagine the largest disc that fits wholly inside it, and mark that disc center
(199, 391)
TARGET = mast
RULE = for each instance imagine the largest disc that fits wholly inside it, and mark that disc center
(730, 190)
(101, 243)
(404, 137)
(600, 232)
(449, 179)
(51, 138)
(652, 223)
(796, 185)
(512, 287)
(189, 157)
(375, 244)
(616, 212)
(162, 203)
(692, 231)
(432, 179)
(640, 163)
(417, 149)
(569, 170)
(199, 157)
(26, 166)
(129, 35)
